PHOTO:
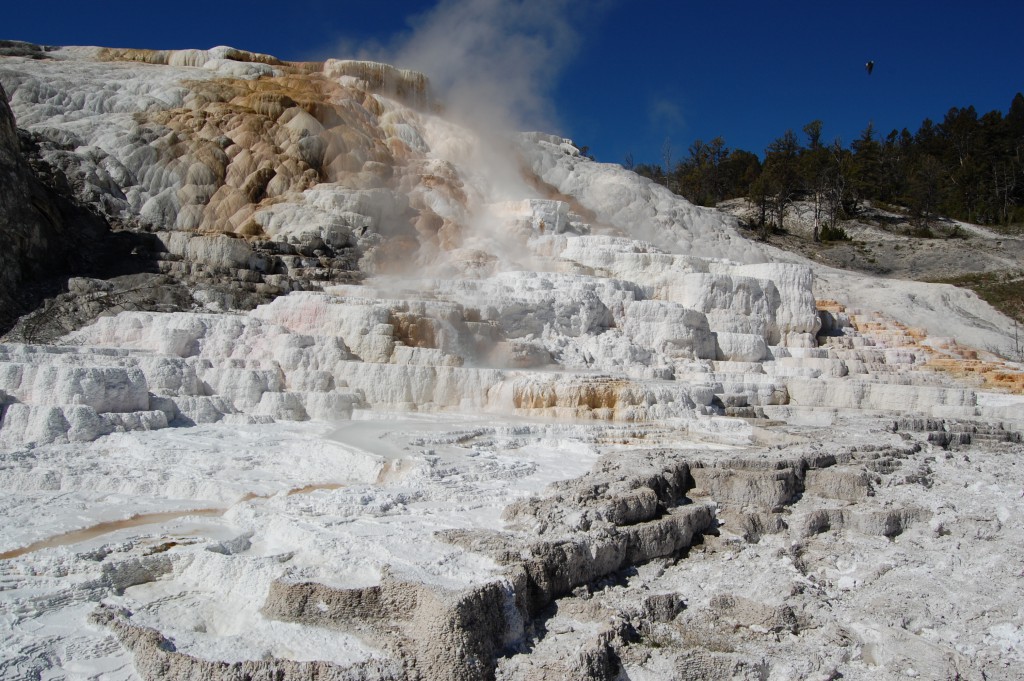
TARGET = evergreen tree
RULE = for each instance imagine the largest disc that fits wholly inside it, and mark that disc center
(966, 167)
(895, 156)
(760, 196)
(866, 170)
(739, 171)
(651, 172)
(814, 172)
(782, 173)
(697, 176)
(924, 190)
(837, 182)
(959, 130)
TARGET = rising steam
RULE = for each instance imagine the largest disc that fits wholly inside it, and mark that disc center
(492, 65)
(494, 61)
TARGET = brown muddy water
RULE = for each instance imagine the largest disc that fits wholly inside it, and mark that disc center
(140, 519)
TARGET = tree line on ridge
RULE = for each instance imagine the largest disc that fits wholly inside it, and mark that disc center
(967, 167)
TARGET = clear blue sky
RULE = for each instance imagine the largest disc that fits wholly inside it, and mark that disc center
(625, 75)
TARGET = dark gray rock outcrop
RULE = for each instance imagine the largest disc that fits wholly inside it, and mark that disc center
(45, 235)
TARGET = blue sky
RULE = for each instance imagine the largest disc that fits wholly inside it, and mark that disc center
(623, 76)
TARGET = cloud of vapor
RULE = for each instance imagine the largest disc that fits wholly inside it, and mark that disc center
(665, 114)
(492, 65)
(494, 62)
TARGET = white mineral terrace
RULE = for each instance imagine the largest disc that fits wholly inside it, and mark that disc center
(567, 425)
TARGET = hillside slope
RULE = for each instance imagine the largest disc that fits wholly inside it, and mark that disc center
(371, 394)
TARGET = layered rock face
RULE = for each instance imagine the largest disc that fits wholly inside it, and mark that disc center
(45, 232)
(446, 412)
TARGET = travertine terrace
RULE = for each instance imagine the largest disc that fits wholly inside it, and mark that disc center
(365, 398)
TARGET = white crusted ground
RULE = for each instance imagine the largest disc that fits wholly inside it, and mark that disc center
(336, 503)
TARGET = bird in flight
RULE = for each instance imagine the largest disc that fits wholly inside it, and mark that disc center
(869, 67)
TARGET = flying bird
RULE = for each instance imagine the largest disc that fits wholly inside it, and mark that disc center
(869, 67)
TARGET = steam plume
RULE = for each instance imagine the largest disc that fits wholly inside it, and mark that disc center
(494, 61)
(492, 65)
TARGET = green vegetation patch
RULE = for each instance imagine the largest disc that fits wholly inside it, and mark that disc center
(830, 233)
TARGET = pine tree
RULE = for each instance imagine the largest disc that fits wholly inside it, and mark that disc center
(782, 173)
(866, 168)
(739, 171)
(837, 182)
(965, 167)
(924, 190)
(814, 165)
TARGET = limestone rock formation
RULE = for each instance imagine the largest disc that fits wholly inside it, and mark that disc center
(324, 387)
